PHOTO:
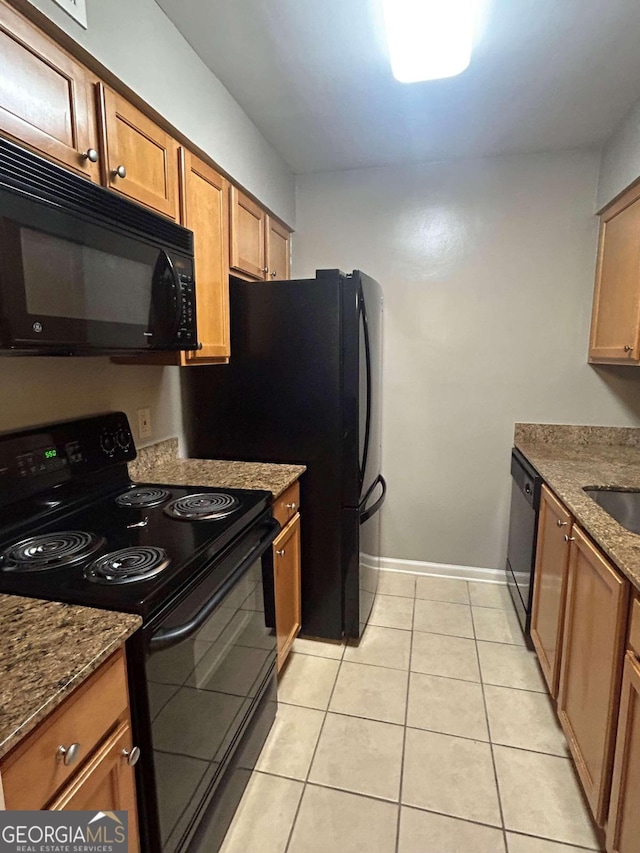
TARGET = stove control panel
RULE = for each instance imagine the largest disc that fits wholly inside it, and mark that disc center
(36, 459)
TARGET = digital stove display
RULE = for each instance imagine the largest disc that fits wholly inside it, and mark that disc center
(41, 461)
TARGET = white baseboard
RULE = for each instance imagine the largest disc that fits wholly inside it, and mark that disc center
(443, 570)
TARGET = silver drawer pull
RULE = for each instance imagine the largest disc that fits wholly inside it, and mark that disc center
(132, 755)
(561, 523)
(291, 505)
(91, 155)
(119, 172)
(68, 754)
(628, 348)
(568, 538)
(280, 553)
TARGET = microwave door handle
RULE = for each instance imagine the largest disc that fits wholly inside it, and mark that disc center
(166, 637)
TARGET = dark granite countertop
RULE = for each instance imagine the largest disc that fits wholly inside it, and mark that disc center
(46, 650)
(570, 458)
(159, 463)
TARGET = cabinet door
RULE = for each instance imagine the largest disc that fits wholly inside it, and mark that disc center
(106, 783)
(550, 586)
(248, 254)
(141, 159)
(206, 213)
(591, 669)
(616, 307)
(45, 96)
(278, 243)
(286, 566)
(623, 828)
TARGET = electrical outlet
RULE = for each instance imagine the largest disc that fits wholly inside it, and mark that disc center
(144, 423)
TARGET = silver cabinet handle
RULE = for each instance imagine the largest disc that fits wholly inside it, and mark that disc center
(273, 273)
(568, 538)
(91, 154)
(627, 348)
(561, 523)
(264, 269)
(68, 754)
(131, 755)
(119, 172)
(291, 505)
(280, 553)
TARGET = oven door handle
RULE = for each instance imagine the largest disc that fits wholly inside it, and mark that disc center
(170, 636)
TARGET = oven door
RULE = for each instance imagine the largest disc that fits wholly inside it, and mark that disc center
(209, 661)
(69, 284)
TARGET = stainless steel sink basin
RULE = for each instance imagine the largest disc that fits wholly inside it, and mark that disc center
(622, 504)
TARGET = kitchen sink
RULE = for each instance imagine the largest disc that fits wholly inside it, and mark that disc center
(621, 504)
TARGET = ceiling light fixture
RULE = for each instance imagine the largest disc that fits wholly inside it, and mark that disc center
(429, 39)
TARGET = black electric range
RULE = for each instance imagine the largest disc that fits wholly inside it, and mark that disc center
(196, 564)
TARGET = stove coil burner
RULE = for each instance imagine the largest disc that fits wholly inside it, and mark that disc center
(143, 497)
(128, 565)
(50, 551)
(203, 507)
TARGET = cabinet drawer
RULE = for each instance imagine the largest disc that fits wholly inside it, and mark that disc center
(287, 505)
(33, 772)
(634, 629)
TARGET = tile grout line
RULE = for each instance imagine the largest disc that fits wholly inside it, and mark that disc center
(406, 714)
(305, 782)
(493, 757)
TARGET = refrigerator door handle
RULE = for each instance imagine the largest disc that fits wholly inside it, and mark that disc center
(366, 514)
(362, 311)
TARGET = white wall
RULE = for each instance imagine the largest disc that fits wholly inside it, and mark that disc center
(487, 270)
(139, 44)
(620, 164)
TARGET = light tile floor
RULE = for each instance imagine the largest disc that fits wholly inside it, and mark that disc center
(434, 735)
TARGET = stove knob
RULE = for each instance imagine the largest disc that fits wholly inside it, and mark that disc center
(123, 437)
(108, 443)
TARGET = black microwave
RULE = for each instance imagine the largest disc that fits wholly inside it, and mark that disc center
(85, 271)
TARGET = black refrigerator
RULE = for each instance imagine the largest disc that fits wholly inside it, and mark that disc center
(303, 386)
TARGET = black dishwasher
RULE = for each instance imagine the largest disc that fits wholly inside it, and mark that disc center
(523, 530)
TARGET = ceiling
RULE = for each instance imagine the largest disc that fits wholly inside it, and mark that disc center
(314, 77)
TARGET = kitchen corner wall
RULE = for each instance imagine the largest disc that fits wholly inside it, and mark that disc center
(620, 164)
(138, 43)
(487, 270)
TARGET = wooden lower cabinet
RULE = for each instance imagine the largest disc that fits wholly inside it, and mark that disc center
(623, 828)
(93, 726)
(591, 668)
(550, 585)
(286, 567)
(106, 783)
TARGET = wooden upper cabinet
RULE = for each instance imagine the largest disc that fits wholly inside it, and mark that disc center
(278, 249)
(623, 827)
(205, 211)
(550, 585)
(248, 250)
(591, 669)
(615, 322)
(46, 97)
(141, 159)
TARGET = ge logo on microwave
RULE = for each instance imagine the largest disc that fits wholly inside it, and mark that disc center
(37, 327)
